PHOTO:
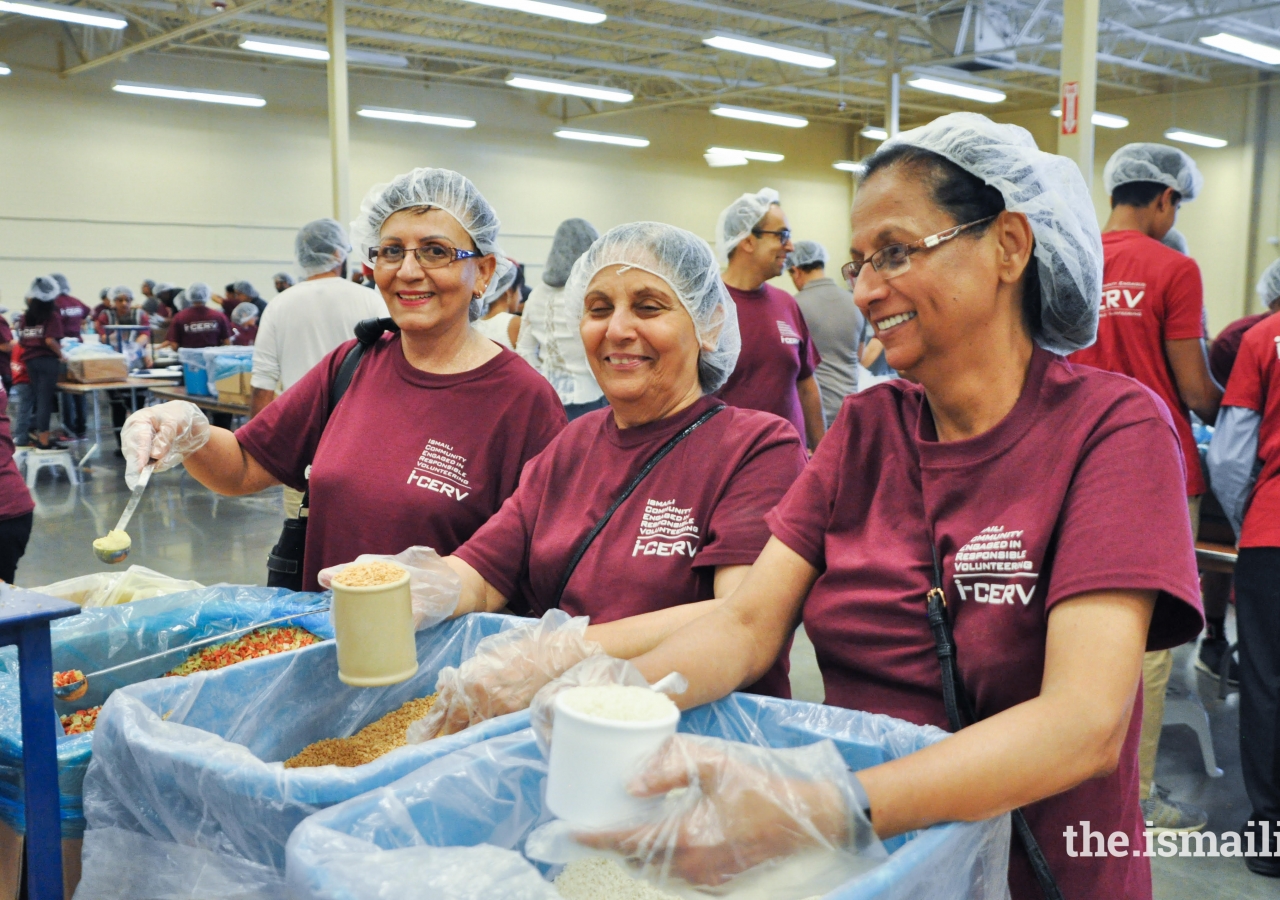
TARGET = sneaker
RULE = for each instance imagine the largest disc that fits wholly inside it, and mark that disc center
(1168, 815)
(1209, 660)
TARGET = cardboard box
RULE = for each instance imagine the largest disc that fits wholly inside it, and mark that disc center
(235, 388)
(96, 370)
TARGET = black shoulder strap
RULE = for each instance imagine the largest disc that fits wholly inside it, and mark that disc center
(622, 498)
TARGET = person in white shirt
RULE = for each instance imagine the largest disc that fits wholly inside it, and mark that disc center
(549, 339)
(498, 322)
(308, 321)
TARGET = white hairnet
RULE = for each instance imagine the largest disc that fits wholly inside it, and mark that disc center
(199, 293)
(64, 286)
(161, 287)
(244, 287)
(1269, 284)
(180, 301)
(320, 246)
(44, 289)
(739, 217)
(441, 188)
(807, 253)
(685, 262)
(290, 280)
(1153, 162)
(503, 277)
(1051, 193)
(120, 291)
(1175, 240)
(244, 312)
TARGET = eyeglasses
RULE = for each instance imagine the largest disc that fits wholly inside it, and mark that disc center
(784, 234)
(894, 259)
(431, 255)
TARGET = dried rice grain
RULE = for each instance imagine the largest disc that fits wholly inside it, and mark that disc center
(369, 574)
(374, 740)
(600, 878)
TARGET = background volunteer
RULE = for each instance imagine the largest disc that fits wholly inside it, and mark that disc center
(1152, 328)
(1223, 350)
(835, 324)
(431, 435)
(39, 332)
(499, 322)
(73, 313)
(775, 372)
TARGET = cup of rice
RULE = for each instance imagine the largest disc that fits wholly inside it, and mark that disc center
(373, 624)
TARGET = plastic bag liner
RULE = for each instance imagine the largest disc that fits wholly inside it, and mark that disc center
(110, 588)
(426, 835)
(188, 797)
(99, 638)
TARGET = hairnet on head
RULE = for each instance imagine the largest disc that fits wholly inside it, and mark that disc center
(149, 282)
(1175, 240)
(151, 306)
(120, 291)
(807, 253)
(160, 287)
(441, 188)
(244, 312)
(573, 237)
(739, 218)
(685, 262)
(44, 289)
(320, 246)
(1051, 193)
(180, 301)
(244, 287)
(64, 286)
(503, 277)
(286, 277)
(199, 293)
(1153, 162)
(1269, 284)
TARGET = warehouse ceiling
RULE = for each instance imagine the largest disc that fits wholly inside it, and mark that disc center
(655, 49)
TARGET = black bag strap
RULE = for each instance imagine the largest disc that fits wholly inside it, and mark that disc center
(622, 498)
(960, 713)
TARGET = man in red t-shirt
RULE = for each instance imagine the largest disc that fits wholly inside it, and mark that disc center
(198, 325)
(775, 369)
(1222, 354)
(1246, 442)
(1151, 328)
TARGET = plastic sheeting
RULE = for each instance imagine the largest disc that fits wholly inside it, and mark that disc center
(187, 796)
(100, 638)
(112, 588)
(425, 835)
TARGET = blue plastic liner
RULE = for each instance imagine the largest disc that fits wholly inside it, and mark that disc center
(106, 636)
(188, 797)
(454, 830)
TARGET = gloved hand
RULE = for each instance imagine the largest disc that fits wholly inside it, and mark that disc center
(741, 806)
(167, 433)
(434, 588)
(505, 673)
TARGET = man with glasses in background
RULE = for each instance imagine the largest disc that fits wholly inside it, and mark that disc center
(775, 369)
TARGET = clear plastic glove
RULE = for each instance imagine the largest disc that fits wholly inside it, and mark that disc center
(730, 807)
(167, 433)
(505, 673)
(434, 588)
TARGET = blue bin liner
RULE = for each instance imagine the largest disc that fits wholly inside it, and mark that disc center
(224, 366)
(188, 774)
(454, 830)
(106, 636)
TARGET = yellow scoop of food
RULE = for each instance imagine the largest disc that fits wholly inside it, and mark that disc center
(114, 547)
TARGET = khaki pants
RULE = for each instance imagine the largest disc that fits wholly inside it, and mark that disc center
(292, 502)
(1156, 667)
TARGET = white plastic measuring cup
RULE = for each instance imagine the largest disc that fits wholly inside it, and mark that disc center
(374, 630)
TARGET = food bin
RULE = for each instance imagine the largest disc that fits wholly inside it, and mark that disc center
(455, 829)
(195, 377)
(188, 774)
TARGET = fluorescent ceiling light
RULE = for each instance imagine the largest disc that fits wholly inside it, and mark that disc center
(600, 137)
(570, 12)
(810, 59)
(1101, 119)
(572, 88)
(4, 70)
(1264, 53)
(319, 52)
(876, 134)
(747, 114)
(757, 155)
(723, 159)
(1191, 137)
(407, 115)
(848, 165)
(76, 15)
(172, 93)
(953, 89)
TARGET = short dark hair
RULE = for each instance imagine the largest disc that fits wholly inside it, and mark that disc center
(811, 267)
(231, 288)
(1140, 193)
(964, 197)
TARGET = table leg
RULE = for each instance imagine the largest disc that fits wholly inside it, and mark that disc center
(40, 763)
(97, 432)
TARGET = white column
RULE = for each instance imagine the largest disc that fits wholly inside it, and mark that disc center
(891, 112)
(339, 126)
(1079, 83)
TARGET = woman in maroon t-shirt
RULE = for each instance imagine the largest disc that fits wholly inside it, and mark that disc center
(1050, 496)
(429, 438)
(39, 334)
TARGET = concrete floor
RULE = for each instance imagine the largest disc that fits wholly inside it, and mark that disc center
(184, 531)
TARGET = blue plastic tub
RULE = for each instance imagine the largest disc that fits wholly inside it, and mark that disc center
(188, 773)
(454, 830)
(195, 375)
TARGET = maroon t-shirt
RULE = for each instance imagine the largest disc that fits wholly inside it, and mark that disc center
(1080, 488)
(776, 353)
(15, 499)
(199, 326)
(407, 458)
(702, 506)
(31, 338)
(6, 336)
(1225, 347)
(243, 335)
(73, 313)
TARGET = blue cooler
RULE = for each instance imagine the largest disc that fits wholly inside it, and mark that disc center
(195, 375)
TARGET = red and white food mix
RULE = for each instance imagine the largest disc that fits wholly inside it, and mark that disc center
(71, 676)
(263, 642)
(81, 721)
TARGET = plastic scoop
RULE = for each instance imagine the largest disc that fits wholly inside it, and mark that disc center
(114, 547)
(77, 689)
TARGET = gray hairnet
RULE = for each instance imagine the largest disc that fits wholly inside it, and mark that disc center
(1051, 193)
(290, 280)
(685, 262)
(149, 282)
(44, 289)
(739, 217)
(200, 293)
(1153, 162)
(1269, 284)
(151, 306)
(807, 253)
(64, 286)
(244, 312)
(320, 246)
(1175, 240)
(120, 291)
(160, 287)
(573, 237)
(244, 287)
(503, 277)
